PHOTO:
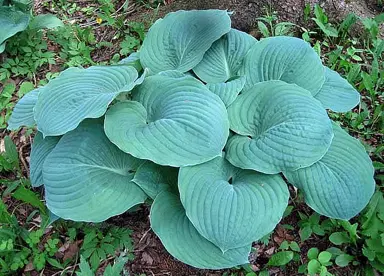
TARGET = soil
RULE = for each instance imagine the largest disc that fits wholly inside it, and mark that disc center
(246, 12)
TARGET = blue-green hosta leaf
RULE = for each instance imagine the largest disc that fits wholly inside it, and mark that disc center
(77, 94)
(227, 91)
(341, 183)
(153, 178)
(87, 178)
(231, 207)
(22, 114)
(172, 74)
(182, 241)
(40, 149)
(132, 60)
(12, 21)
(180, 39)
(279, 127)
(284, 58)
(337, 93)
(223, 60)
(172, 122)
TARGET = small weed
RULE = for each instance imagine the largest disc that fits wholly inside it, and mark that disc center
(318, 262)
(269, 25)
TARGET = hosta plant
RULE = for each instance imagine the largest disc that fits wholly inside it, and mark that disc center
(209, 125)
(15, 16)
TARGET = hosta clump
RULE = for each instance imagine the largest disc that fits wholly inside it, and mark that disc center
(206, 130)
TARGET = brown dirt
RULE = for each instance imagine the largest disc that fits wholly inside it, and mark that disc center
(246, 12)
(150, 256)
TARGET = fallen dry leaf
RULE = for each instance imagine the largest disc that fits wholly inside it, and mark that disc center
(146, 258)
(71, 250)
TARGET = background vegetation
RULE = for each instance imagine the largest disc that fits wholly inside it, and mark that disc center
(34, 242)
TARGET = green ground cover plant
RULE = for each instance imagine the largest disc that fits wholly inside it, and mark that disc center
(15, 16)
(21, 247)
(206, 131)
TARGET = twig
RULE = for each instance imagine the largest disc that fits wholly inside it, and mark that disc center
(21, 157)
(145, 234)
(88, 24)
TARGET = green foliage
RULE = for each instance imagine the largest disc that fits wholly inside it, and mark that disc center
(15, 17)
(311, 225)
(269, 25)
(115, 269)
(6, 103)
(359, 244)
(18, 247)
(360, 60)
(290, 245)
(321, 19)
(9, 160)
(318, 262)
(76, 44)
(166, 115)
(98, 245)
(7, 97)
(280, 258)
(133, 38)
(27, 53)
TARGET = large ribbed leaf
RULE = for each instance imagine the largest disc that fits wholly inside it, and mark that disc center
(173, 121)
(341, 183)
(231, 207)
(279, 127)
(337, 93)
(284, 58)
(180, 238)
(180, 39)
(227, 91)
(22, 114)
(153, 178)
(223, 60)
(12, 21)
(77, 94)
(87, 178)
(41, 147)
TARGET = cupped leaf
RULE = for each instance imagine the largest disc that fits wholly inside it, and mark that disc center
(279, 127)
(337, 93)
(284, 58)
(341, 183)
(12, 21)
(223, 60)
(77, 94)
(41, 147)
(231, 207)
(180, 39)
(153, 178)
(227, 91)
(182, 241)
(22, 114)
(87, 178)
(172, 122)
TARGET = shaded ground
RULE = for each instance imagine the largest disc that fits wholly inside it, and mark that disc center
(246, 12)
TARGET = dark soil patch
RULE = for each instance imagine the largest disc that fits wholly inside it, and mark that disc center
(151, 257)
